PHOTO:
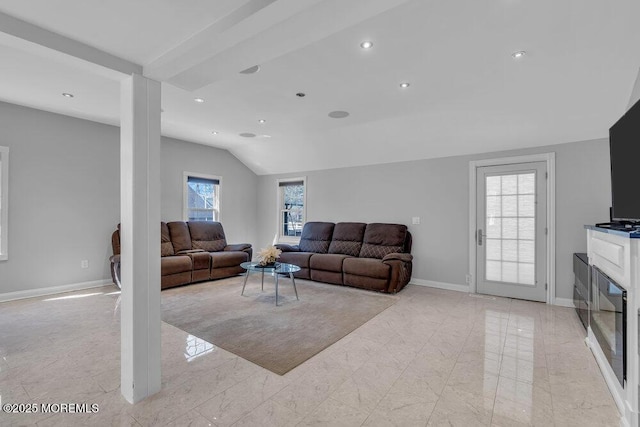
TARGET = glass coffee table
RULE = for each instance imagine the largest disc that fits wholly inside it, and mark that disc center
(278, 268)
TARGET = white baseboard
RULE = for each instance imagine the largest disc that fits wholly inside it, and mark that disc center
(564, 302)
(440, 285)
(31, 293)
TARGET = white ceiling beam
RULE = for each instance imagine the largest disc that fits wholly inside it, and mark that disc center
(209, 42)
(259, 35)
(31, 38)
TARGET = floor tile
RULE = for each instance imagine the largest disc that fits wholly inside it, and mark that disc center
(436, 357)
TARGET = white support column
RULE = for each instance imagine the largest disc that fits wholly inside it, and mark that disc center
(140, 237)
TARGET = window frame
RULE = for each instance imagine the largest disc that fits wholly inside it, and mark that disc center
(4, 203)
(185, 194)
(279, 237)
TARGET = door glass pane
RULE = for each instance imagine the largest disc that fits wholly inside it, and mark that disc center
(509, 184)
(526, 206)
(526, 251)
(510, 272)
(494, 228)
(494, 184)
(526, 183)
(509, 206)
(510, 250)
(494, 206)
(494, 250)
(526, 228)
(510, 228)
(494, 270)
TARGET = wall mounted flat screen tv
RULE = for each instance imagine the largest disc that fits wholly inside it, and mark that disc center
(624, 143)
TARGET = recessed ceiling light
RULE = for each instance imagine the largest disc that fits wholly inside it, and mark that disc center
(248, 134)
(198, 100)
(266, 136)
(338, 114)
(261, 121)
(251, 70)
(519, 54)
(405, 85)
(67, 95)
(366, 44)
(215, 132)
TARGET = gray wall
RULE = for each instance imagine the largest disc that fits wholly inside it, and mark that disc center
(64, 195)
(238, 185)
(64, 198)
(437, 191)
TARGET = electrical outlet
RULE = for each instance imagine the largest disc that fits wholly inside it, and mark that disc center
(84, 263)
(415, 220)
(468, 278)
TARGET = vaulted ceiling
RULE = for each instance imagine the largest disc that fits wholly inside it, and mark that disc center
(467, 93)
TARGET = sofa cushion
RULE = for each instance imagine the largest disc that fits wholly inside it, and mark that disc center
(347, 238)
(166, 247)
(316, 237)
(227, 259)
(327, 262)
(175, 264)
(180, 237)
(207, 235)
(383, 239)
(368, 267)
(301, 259)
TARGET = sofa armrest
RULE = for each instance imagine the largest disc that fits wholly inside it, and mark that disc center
(287, 248)
(237, 247)
(398, 256)
(401, 266)
(189, 251)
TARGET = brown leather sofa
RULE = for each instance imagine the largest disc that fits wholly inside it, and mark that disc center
(191, 252)
(369, 256)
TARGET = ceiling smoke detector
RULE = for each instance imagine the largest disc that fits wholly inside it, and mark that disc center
(198, 100)
(67, 95)
(338, 114)
(518, 55)
(251, 70)
(405, 85)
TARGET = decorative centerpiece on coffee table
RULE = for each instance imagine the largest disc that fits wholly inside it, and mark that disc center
(267, 256)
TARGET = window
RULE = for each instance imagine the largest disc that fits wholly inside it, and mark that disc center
(291, 208)
(4, 202)
(201, 197)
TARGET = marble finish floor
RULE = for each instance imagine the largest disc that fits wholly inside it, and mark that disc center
(434, 358)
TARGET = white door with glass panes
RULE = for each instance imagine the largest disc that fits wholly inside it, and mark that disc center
(511, 222)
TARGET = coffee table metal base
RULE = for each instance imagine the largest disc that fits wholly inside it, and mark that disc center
(287, 270)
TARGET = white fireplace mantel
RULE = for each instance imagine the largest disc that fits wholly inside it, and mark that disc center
(616, 253)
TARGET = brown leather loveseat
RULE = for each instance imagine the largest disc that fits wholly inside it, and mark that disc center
(369, 256)
(191, 252)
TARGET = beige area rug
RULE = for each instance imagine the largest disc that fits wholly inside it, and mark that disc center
(252, 327)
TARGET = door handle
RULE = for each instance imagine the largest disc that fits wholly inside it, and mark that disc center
(479, 237)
